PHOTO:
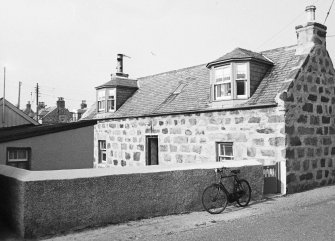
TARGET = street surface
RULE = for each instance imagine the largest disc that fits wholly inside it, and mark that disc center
(303, 216)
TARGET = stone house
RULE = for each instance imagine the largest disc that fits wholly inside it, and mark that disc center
(54, 114)
(274, 106)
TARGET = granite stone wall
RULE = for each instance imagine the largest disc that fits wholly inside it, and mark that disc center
(41, 203)
(310, 129)
(257, 134)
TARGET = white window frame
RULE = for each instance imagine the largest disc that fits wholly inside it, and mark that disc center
(102, 154)
(242, 79)
(111, 100)
(16, 150)
(24, 162)
(233, 81)
(101, 100)
(217, 84)
(224, 156)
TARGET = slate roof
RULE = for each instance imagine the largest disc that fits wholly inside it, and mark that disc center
(239, 54)
(18, 111)
(156, 94)
(27, 131)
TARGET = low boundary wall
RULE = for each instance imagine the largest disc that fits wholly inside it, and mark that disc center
(39, 203)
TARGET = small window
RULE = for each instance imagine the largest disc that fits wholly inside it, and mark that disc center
(222, 86)
(225, 151)
(18, 157)
(102, 151)
(111, 101)
(241, 80)
(101, 100)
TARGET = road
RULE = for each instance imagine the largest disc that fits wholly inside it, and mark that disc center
(303, 216)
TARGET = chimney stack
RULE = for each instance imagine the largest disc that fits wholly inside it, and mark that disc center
(119, 66)
(311, 33)
(60, 102)
(83, 104)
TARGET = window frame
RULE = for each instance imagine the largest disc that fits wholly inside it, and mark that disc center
(101, 97)
(218, 149)
(222, 82)
(110, 93)
(246, 80)
(19, 161)
(233, 81)
(102, 151)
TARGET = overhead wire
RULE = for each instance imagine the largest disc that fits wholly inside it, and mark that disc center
(328, 12)
(284, 28)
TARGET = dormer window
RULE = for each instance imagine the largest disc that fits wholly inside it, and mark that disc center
(241, 80)
(111, 100)
(231, 81)
(235, 76)
(101, 100)
(222, 85)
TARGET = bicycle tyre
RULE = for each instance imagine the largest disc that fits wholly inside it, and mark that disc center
(243, 185)
(214, 199)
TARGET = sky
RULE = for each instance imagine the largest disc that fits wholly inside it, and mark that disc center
(69, 47)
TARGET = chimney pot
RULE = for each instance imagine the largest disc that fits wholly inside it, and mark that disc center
(310, 13)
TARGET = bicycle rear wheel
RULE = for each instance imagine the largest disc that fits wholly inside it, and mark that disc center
(214, 199)
(243, 189)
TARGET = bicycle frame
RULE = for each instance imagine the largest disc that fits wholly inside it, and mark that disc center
(231, 195)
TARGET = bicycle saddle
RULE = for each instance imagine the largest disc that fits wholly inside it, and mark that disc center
(235, 171)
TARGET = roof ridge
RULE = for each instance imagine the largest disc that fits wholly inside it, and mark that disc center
(283, 47)
(171, 71)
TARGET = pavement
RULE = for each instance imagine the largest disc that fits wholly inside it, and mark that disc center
(183, 226)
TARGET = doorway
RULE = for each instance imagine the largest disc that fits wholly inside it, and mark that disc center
(271, 179)
(152, 150)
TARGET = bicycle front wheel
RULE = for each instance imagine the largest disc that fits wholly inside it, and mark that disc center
(244, 191)
(214, 199)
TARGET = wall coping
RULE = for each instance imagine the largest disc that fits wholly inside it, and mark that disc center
(26, 175)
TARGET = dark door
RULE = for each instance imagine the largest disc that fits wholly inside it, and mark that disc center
(271, 182)
(152, 150)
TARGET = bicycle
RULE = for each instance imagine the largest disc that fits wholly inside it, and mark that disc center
(216, 196)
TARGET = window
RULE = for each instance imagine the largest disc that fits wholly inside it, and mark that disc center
(222, 86)
(241, 80)
(101, 100)
(18, 157)
(225, 151)
(102, 151)
(111, 100)
(230, 81)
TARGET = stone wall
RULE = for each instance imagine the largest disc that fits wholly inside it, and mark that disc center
(310, 129)
(257, 134)
(52, 202)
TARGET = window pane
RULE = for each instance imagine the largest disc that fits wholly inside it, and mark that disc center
(241, 71)
(229, 150)
(226, 89)
(22, 154)
(222, 149)
(226, 74)
(217, 90)
(219, 75)
(240, 87)
(101, 95)
(110, 105)
(11, 155)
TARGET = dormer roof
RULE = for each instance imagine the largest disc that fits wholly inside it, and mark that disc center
(239, 54)
(118, 81)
